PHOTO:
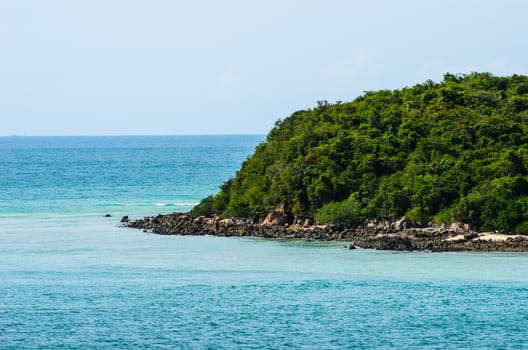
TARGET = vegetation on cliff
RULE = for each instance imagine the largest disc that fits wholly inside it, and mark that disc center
(450, 151)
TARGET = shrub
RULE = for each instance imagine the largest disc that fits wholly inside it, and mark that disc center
(345, 213)
(444, 216)
(205, 207)
(417, 216)
(522, 228)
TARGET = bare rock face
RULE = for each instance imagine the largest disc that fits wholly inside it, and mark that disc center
(276, 218)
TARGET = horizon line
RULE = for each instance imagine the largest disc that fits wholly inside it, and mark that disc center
(130, 135)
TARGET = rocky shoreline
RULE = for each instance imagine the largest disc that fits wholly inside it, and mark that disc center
(383, 236)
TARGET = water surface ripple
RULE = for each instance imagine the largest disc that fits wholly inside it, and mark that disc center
(72, 279)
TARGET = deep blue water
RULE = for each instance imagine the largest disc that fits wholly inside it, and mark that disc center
(71, 278)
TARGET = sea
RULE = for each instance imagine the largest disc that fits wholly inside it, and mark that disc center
(72, 278)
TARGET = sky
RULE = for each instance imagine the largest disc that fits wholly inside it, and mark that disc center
(130, 67)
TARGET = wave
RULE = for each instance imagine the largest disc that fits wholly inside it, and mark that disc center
(146, 204)
(177, 204)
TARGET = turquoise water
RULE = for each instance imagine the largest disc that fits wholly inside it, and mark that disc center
(71, 278)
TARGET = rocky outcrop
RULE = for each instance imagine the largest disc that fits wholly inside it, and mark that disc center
(385, 236)
(277, 217)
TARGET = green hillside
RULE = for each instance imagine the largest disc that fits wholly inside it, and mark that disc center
(443, 152)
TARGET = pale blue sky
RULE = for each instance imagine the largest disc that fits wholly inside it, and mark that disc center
(111, 67)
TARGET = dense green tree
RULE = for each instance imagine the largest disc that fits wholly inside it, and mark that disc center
(454, 150)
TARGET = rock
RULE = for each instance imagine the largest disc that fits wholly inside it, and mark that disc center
(108, 216)
(277, 217)
(456, 226)
(225, 222)
(470, 235)
(374, 237)
(401, 224)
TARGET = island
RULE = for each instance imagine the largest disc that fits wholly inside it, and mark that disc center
(437, 166)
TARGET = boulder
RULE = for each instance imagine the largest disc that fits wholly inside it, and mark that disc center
(124, 218)
(276, 218)
(211, 221)
(401, 224)
(456, 226)
(225, 222)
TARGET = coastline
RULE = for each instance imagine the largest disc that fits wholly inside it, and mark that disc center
(380, 237)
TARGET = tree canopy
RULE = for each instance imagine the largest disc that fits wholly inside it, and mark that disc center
(450, 151)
